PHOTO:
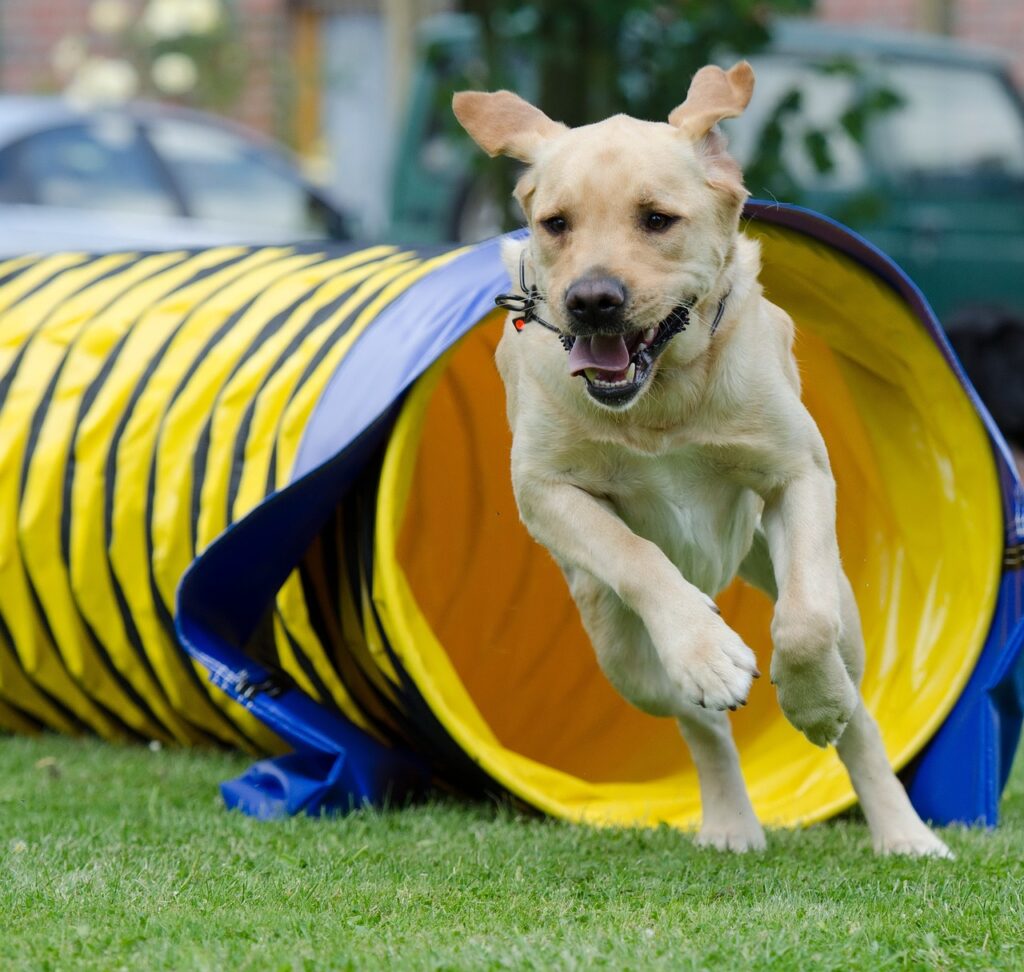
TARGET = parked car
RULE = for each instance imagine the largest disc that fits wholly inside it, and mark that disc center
(147, 175)
(942, 168)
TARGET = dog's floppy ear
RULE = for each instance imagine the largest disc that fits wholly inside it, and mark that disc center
(714, 94)
(501, 123)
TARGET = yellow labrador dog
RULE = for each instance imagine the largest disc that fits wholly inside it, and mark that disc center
(660, 446)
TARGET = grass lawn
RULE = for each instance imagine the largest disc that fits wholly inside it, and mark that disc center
(123, 858)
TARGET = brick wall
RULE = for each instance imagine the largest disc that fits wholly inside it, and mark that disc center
(890, 13)
(266, 98)
(994, 23)
(29, 29)
(997, 24)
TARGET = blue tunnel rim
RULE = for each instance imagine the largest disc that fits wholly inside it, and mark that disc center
(213, 637)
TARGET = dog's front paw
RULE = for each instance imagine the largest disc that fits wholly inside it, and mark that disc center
(711, 667)
(918, 841)
(817, 696)
(816, 693)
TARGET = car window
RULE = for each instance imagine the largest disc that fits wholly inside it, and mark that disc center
(101, 164)
(823, 99)
(226, 179)
(13, 189)
(954, 123)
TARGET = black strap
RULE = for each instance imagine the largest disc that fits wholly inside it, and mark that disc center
(524, 306)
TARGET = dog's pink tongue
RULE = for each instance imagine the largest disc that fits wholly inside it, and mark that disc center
(606, 352)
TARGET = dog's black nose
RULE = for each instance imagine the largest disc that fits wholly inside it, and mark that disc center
(595, 303)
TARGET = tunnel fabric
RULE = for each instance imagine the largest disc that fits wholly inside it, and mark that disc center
(253, 423)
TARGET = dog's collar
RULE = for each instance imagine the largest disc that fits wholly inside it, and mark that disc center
(524, 306)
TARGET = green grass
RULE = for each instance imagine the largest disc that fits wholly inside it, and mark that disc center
(123, 858)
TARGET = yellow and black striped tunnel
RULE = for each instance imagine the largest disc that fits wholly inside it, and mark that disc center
(148, 402)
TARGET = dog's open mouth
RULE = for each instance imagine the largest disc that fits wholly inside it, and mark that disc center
(616, 366)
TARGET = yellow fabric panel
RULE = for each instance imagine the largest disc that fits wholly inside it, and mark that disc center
(271, 292)
(271, 286)
(353, 656)
(141, 373)
(42, 510)
(16, 688)
(289, 663)
(291, 604)
(324, 282)
(14, 264)
(293, 423)
(40, 357)
(14, 333)
(94, 590)
(11, 720)
(364, 274)
(484, 625)
(377, 663)
(265, 431)
(395, 279)
(138, 323)
(35, 299)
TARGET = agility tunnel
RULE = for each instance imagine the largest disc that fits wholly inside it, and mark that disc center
(259, 497)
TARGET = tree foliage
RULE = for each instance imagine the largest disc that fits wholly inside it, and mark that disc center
(583, 60)
(596, 58)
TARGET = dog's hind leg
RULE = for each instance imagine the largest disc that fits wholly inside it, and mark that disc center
(629, 659)
(895, 826)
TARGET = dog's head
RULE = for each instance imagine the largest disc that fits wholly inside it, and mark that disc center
(632, 222)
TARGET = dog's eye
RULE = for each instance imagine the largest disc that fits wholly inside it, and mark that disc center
(555, 225)
(656, 222)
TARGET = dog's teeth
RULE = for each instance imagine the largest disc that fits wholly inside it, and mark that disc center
(650, 334)
(591, 374)
(631, 372)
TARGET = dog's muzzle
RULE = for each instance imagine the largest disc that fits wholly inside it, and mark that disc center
(616, 366)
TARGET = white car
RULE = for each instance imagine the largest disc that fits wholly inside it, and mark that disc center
(146, 176)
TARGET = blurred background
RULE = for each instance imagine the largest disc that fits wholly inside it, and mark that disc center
(162, 123)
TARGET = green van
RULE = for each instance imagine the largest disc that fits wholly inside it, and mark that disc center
(936, 180)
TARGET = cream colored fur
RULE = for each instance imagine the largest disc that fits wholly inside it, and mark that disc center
(715, 468)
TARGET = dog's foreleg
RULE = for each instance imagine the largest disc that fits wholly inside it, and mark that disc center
(705, 662)
(728, 819)
(628, 657)
(895, 826)
(819, 660)
(816, 692)
(756, 568)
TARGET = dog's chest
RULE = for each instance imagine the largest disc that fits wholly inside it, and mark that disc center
(681, 501)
